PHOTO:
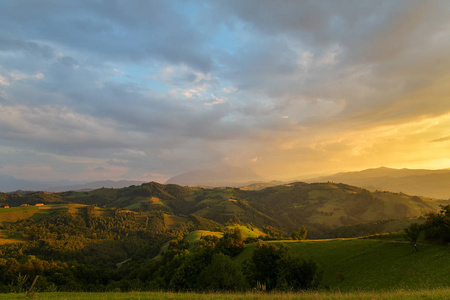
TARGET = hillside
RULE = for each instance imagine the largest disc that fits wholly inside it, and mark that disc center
(429, 183)
(329, 204)
(327, 209)
(318, 205)
(371, 264)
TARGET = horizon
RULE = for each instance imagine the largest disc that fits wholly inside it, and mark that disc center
(145, 91)
(56, 185)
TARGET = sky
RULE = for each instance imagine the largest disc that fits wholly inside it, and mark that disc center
(145, 90)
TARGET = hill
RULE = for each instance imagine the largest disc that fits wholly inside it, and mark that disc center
(318, 205)
(429, 183)
(326, 209)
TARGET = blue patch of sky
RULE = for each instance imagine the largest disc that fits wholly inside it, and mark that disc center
(189, 9)
(225, 40)
(142, 76)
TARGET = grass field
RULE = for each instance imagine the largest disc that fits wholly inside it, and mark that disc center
(248, 232)
(385, 295)
(171, 221)
(372, 264)
(14, 214)
(195, 236)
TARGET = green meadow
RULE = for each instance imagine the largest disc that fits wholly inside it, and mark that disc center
(372, 264)
(443, 293)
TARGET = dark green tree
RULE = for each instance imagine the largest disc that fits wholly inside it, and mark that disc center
(296, 274)
(413, 233)
(262, 269)
(437, 225)
(271, 267)
(222, 275)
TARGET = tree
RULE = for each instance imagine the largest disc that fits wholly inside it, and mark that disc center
(272, 267)
(262, 269)
(295, 274)
(221, 274)
(437, 225)
(231, 243)
(300, 234)
(273, 232)
(412, 233)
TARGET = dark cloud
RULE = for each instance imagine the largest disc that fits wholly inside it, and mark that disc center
(133, 31)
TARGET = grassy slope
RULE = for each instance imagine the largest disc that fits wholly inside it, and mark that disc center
(14, 214)
(195, 236)
(370, 264)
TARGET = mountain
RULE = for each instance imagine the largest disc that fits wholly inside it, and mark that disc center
(233, 176)
(10, 183)
(94, 185)
(429, 183)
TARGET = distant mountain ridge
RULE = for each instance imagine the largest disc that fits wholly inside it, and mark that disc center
(11, 184)
(233, 176)
(430, 183)
(110, 184)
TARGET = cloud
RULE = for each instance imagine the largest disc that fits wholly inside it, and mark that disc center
(230, 90)
(3, 81)
(442, 139)
(131, 32)
(156, 88)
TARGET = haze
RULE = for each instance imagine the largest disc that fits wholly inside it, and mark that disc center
(144, 90)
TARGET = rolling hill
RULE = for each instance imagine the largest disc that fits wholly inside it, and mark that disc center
(327, 209)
